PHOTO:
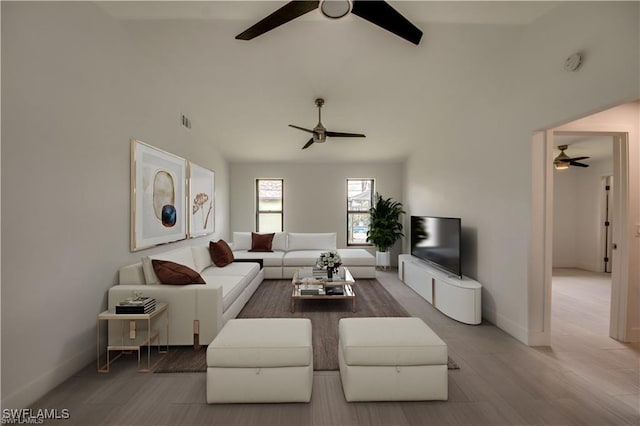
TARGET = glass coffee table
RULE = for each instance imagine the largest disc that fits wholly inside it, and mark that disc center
(309, 285)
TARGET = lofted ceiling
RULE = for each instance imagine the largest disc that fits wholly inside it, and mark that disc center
(243, 94)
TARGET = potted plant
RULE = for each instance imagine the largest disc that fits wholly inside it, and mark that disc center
(385, 228)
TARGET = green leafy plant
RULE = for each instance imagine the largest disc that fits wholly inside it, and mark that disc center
(385, 227)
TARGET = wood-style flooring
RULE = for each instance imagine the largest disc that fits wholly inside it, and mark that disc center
(584, 378)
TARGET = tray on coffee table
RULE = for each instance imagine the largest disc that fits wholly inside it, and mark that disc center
(307, 286)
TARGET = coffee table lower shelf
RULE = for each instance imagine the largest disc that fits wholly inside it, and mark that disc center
(348, 294)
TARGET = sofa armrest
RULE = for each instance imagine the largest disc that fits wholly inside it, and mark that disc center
(209, 311)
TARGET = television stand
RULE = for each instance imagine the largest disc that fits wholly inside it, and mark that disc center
(457, 298)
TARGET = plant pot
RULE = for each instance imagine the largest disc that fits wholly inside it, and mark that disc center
(383, 260)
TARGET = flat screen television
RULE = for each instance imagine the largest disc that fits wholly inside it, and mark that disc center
(436, 240)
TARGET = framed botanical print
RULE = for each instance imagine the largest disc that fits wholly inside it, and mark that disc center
(158, 196)
(201, 201)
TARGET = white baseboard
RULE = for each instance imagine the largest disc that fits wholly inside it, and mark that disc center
(37, 388)
(539, 338)
(634, 335)
(507, 325)
(591, 267)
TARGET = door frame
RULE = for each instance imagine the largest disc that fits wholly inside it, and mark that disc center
(541, 246)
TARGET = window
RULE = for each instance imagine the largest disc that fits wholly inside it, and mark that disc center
(269, 205)
(359, 201)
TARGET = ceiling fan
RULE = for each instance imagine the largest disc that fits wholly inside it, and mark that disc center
(563, 161)
(377, 12)
(320, 132)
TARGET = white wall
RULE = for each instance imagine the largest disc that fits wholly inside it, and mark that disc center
(75, 91)
(469, 166)
(315, 195)
(476, 163)
(565, 200)
(577, 216)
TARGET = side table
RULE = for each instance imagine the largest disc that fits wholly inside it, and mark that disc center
(133, 341)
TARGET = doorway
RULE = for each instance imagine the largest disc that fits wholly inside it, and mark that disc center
(620, 123)
(583, 213)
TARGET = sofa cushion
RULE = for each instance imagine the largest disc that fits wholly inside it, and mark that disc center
(301, 257)
(311, 241)
(221, 253)
(175, 273)
(201, 257)
(232, 269)
(262, 343)
(182, 256)
(233, 279)
(261, 242)
(356, 257)
(390, 341)
(131, 274)
(279, 241)
(242, 240)
(273, 258)
(232, 286)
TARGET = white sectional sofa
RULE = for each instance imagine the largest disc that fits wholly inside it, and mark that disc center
(292, 250)
(197, 312)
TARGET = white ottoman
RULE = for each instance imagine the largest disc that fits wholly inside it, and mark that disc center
(261, 360)
(391, 359)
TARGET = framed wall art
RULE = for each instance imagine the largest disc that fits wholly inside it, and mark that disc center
(158, 196)
(201, 201)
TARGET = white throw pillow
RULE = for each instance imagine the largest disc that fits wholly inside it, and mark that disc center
(312, 241)
(242, 240)
(279, 241)
(201, 257)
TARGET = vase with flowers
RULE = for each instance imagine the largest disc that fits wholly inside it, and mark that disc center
(331, 261)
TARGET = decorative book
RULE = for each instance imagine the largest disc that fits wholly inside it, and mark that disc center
(311, 289)
(139, 305)
(337, 290)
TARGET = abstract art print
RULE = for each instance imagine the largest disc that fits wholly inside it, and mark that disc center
(201, 201)
(158, 199)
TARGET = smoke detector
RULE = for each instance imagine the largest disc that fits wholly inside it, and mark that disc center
(573, 62)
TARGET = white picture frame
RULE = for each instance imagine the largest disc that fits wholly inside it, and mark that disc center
(201, 201)
(158, 196)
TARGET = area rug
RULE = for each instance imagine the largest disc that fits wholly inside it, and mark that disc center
(271, 300)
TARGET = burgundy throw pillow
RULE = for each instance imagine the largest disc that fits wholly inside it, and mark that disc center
(261, 242)
(175, 273)
(221, 253)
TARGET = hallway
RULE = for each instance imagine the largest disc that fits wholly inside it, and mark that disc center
(581, 302)
(580, 335)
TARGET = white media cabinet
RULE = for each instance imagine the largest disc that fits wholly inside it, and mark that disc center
(460, 299)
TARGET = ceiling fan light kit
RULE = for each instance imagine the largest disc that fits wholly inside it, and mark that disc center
(377, 12)
(335, 9)
(563, 161)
